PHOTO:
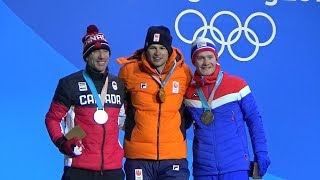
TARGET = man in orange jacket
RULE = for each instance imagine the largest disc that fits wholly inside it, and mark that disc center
(156, 78)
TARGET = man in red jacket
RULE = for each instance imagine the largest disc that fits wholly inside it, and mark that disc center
(93, 98)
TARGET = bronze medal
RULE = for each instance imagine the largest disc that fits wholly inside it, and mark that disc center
(207, 117)
(162, 95)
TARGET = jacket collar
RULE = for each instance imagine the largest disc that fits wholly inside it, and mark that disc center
(95, 75)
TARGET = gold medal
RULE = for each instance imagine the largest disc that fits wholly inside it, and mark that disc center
(207, 117)
(161, 95)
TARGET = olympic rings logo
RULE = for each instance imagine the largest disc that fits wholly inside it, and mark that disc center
(229, 41)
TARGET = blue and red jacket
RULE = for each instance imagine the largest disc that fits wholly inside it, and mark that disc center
(102, 150)
(222, 146)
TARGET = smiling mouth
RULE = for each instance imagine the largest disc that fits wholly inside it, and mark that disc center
(157, 58)
(206, 67)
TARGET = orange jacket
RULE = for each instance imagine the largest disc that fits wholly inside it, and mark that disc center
(154, 130)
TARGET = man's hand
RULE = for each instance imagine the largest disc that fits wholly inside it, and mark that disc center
(72, 147)
(263, 162)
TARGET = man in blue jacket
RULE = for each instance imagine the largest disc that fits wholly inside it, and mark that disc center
(220, 106)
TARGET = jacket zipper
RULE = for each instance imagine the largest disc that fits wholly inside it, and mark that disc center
(158, 126)
(215, 145)
(158, 132)
(102, 149)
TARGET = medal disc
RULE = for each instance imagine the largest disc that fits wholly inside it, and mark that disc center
(162, 95)
(207, 117)
(100, 116)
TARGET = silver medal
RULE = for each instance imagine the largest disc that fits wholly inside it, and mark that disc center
(100, 116)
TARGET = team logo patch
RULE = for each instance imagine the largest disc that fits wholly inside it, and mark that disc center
(114, 85)
(138, 174)
(143, 85)
(82, 86)
(176, 167)
(156, 37)
(201, 44)
(175, 87)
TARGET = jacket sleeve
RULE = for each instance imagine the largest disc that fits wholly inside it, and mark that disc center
(188, 73)
(123, 75)
(122, 117)
(253, 120)
(59, 107)
(187, 118)
(186, 115)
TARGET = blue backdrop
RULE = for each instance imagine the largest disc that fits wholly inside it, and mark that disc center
(272, 44)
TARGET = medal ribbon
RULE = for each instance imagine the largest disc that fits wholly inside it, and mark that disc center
(99, 100)
(207, 104)
(162, 84)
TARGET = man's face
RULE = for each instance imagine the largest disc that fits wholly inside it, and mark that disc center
(98, 60)
(205, 63)
(157, 55)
